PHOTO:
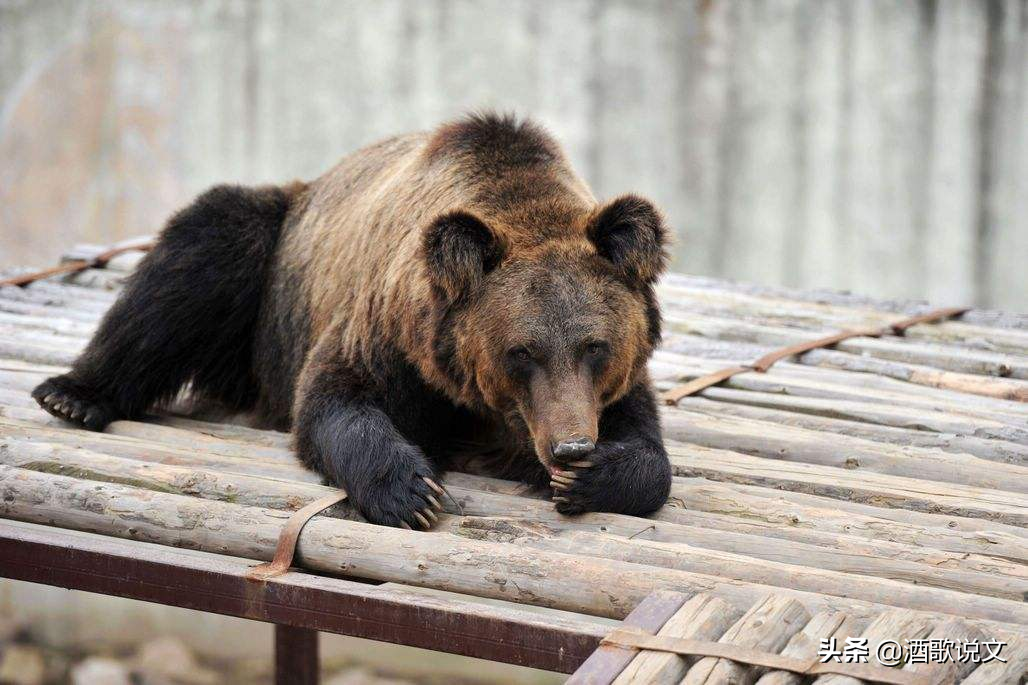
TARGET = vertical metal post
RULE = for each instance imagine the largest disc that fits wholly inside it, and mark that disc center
(296, 656)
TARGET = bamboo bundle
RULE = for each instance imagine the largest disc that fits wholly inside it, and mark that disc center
(883, 473)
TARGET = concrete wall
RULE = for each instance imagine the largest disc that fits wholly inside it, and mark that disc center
(876, 145)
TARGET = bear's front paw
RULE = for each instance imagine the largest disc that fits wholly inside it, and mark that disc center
(618, 477)
(401, 493)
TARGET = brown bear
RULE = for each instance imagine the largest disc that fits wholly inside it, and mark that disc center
(434, 296)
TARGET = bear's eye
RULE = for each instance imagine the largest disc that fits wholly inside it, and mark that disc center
(521, 354)
(595, 349)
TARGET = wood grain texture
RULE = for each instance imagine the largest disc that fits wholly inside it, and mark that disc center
(838, 483)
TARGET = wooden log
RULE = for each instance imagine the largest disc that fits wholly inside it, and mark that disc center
(816, 382)
(703, 617)
(609, 659)
(985, 574)
(83, 317)
(1001, 389)
(875, 529)
(1005, 605)
(893, 626)
(961, 401)
(71, 292)
(800, 312)
(873, 413)
(890, 491)
(130, 448)
(17, 398)
(805, 644)
(984, 448)
(52, 301)
(15, 365)
(816, 519)
(786, 508)
(950, 669)
(772, 441)
(208, 484)
(896, 349)
(1011, 671)
(996, 390)
(791, 314)
(809, 543)
(580, 584)
(988, 386)
(817, 512)
(99, 279)
(768, 626)
(981, 317)
(288, 495)
(950, 525)
(36, 352)
(50, 324)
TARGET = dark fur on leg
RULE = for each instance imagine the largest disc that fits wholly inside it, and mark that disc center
(631, 473)
(188, 314)
(378, 440)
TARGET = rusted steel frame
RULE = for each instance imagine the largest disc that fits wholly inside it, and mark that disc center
(296, 656)
(606, 663)
(219, 585)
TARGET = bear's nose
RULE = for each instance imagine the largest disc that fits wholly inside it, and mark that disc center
(569, 450)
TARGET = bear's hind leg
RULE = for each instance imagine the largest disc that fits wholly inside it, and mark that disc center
(188, 313)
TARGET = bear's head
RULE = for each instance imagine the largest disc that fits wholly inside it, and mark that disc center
(547, 331)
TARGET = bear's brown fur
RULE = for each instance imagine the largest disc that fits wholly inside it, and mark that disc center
(443, 293)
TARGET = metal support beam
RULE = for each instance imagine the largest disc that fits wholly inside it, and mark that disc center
(218, 584)
(296, 656)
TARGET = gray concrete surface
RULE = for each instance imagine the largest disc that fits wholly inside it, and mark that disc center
(876, 145)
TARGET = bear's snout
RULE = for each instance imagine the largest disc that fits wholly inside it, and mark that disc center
(571, 450)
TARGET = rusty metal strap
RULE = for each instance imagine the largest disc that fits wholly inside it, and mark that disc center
(626, 637)
(285, 550)
(702, 383)
(673, 395)
(75, 266)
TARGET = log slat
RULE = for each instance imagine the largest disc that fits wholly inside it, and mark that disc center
(878, 486)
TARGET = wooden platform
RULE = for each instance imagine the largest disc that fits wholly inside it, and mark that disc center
(880, 483)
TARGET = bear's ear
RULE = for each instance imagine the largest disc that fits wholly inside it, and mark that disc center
(459, 250)
(630, 233)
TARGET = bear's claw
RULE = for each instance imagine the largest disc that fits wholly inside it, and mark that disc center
(621, 477)
(71, 401)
